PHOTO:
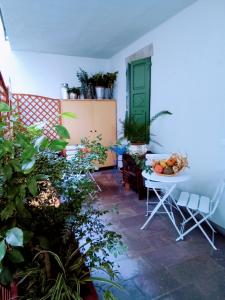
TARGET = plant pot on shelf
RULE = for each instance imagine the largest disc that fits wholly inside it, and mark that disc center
(108, 93)
(138, 148)
(73, 96)
(99, 92)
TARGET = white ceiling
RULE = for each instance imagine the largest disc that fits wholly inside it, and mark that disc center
(91, 28)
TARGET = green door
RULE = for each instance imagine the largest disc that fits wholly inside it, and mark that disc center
(140, 78)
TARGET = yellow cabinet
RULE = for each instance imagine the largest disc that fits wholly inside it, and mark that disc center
(94, 117)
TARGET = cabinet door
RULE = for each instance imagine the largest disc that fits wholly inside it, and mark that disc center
(82, 126)
(105, 124)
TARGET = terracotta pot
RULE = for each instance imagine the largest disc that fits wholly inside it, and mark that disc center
(9, 293)
(92, 294)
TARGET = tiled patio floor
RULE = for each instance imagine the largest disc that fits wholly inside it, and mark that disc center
(155, 265)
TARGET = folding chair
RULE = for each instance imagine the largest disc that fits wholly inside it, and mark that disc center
(200, 209)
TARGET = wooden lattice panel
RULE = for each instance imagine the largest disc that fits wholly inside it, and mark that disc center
(33, 109)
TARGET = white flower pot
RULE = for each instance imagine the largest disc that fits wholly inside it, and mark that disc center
(99, 92)
(139, 149)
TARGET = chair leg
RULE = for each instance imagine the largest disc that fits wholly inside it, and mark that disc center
(197, 224)
(188, 219)
(93, 179)
(210, 226)
(147, 202)
(171, 217)
(178, 208)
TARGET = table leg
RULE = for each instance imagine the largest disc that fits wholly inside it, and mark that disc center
(171, 217)
(159, 205)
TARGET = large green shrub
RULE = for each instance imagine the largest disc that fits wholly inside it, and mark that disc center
(50, 249)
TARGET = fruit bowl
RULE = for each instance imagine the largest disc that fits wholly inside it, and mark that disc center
(170, 166)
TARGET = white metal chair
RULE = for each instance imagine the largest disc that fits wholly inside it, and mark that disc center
(200, 208)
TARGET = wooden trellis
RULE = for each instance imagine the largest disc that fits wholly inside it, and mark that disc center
(34, 109)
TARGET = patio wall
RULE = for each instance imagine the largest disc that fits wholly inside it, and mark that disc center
(5, 56)
(42, 74)
(188, 71)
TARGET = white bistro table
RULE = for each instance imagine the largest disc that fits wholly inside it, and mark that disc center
(170, 184)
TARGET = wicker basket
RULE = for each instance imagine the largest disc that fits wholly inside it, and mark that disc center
(168, 175)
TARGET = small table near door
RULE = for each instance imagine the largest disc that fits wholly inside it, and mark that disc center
(172, 182)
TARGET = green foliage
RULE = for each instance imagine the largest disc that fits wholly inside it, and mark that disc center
(95, 151)
(109, 79)
(10, 252)
(86, 84)
(140, 161)
(98, 79)
(4, 107)
(75, 90)
(40, 239)
(20, 147)
(137, 132)
(68, 115)
(106, 80)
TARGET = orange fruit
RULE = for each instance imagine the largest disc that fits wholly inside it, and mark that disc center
(171, 162)
(158, 168)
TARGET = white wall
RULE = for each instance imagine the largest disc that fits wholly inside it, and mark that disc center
(5, 56)
(188, 73)
(42, 74)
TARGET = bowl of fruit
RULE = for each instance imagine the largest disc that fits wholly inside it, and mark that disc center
(170, 166)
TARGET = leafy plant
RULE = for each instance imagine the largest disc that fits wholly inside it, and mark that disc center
(34, 177)
(109, 79)
(75, 90)
(98, 79)
(10, 252)
(96, 151)
(86, 84)
(139, 132)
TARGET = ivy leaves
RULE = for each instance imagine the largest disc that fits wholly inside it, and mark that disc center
(19, 150)
(9, 246)
(4, 107)
(13, 238)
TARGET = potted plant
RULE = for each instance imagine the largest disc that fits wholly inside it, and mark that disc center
(109, 79)
(139, 135)
(74, 92)
(99, 84)
(86, 88)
